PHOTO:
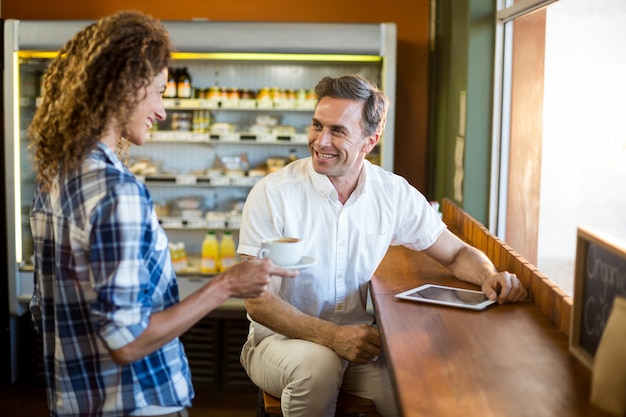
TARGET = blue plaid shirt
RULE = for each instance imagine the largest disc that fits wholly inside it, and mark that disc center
(102, 267)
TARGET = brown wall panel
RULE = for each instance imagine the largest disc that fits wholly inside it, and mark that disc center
(411, 18)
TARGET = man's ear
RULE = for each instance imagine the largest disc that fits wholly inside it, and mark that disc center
(370, 142)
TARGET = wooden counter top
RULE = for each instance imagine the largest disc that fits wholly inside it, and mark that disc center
(508, 360)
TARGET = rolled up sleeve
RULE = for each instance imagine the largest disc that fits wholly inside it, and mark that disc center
(121, 233)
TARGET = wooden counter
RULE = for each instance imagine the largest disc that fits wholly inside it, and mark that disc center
(508, 360)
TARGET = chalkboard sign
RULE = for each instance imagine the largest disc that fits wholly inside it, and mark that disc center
(600, 275)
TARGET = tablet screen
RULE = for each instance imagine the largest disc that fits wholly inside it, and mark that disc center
(450, 296)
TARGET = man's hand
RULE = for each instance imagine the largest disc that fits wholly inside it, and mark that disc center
(504, 287)
(357, 343)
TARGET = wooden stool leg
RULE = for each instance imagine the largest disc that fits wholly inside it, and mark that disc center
(270, 405)
(260, 405)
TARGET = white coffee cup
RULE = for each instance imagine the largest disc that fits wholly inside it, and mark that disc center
(283, 251)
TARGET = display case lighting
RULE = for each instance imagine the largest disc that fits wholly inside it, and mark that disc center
(238, 56)
(16, 166)
(245, 56)
(37, 54)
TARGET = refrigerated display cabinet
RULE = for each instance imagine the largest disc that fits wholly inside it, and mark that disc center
(242, 56)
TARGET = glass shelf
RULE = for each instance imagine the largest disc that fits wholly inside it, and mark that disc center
(229, 137)
(238, 105)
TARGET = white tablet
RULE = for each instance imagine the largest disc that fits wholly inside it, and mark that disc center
(449, 296)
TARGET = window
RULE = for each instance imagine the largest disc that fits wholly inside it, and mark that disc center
(559, 160)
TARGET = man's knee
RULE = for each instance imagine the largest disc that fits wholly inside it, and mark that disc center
(318, 362)
(318, 373)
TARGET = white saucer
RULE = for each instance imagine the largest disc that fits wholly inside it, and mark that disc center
(304, 263)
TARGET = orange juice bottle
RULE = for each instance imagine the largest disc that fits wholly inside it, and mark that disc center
(227, 251)
(209, 263)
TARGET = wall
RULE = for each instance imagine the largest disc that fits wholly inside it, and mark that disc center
(449, 78)
(480, 69)
(411, 18)
(462, 96)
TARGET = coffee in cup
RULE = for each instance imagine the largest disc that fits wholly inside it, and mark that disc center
(283, 251)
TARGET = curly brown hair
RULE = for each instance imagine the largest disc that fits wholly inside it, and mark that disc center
(92, 86)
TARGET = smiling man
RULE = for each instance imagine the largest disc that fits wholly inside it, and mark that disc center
(312, 336)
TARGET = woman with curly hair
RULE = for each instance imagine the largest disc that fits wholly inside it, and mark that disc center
(106, 299)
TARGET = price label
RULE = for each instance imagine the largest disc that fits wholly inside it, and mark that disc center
(185, 135)
(300, 138)
(208, 103)
(170, 103)
(230, 137)
(191, 103)
(185, 179)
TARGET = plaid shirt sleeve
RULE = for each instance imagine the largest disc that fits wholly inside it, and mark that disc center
(121, 235)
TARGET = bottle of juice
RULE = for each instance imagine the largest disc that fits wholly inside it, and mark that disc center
(182, 254)
(209, 263)
(183, 84)
(171, 87)
(227, 251)
(174, 255)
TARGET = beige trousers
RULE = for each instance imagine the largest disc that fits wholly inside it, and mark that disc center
(307, 377)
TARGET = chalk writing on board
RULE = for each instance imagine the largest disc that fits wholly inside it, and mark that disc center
(605, 278)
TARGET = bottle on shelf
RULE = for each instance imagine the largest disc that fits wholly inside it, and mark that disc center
(182, 256)
(227, 251)
(213, 93)
(171, 85)
(200, 121)
(183, 84)
(209, 263)
(206, 120)
(178, 254)
(174, 255)
(196, 121)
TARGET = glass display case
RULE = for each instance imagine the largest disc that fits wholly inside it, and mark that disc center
(242, 110)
